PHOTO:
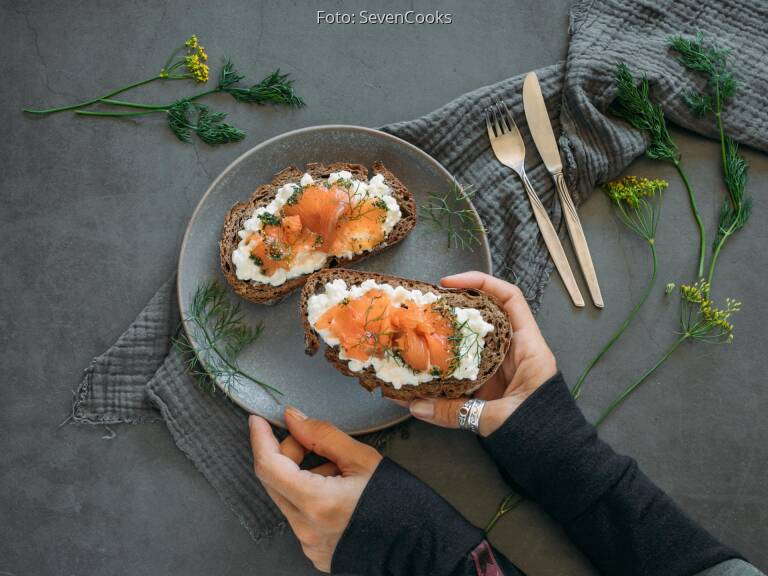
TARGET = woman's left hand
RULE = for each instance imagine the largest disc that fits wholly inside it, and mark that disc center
(318, 503)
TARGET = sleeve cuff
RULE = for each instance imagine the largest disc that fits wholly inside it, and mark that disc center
(401, 526)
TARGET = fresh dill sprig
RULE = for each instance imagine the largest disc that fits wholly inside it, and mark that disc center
(633, 104)
(700, 320)
(219, 332)
(712, 61)
(737, 208)
(191, 65)
(274, 89)
(638, 204)
(270, 219)
(461, 225)
(209, 126)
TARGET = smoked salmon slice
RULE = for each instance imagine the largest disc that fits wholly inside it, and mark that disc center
(319, 209)
(372, 325)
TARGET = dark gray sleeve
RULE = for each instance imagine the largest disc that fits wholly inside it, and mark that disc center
(401, 527)
(612, 511)
(735, 567)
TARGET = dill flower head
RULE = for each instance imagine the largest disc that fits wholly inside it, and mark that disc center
(632, 189)
(638, 203)
(196, 59)
(704, 320)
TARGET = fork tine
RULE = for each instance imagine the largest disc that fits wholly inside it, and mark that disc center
(499, 121)
(505, 127)
(510, 119)
(489, 126)
(497, 128)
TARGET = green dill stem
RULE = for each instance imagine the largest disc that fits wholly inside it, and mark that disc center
(719, 116)
(721, 129)
(715, 254)
(95, 100)
(509, 503)
(697, 217)
(167, 66)
(580, 383)
(632, 387)
(146, 108)
(206, 93)
(117, 114)
(125, 104)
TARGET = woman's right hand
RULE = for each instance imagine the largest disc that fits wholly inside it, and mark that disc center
(528, 364)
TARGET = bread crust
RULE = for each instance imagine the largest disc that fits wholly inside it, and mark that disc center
(496, 343)
(235, 220)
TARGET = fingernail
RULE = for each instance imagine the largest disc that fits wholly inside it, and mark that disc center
(422, 409)
(295, 413)
(251, 420)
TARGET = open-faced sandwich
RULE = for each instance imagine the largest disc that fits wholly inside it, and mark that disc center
(307, 220)
(409, 338)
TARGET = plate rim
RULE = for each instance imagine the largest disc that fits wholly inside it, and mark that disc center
(486, 252)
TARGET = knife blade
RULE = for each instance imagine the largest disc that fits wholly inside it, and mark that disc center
(539, 125)
(544, 138)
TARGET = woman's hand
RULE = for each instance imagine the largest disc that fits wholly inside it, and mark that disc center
(318, 503)
(527, 366)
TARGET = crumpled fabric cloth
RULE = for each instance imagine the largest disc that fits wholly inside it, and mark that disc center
(141, 377)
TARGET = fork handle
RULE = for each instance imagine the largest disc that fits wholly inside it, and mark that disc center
(578, 240)
(553, 244)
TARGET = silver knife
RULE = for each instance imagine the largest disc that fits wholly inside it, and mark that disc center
(544, 138)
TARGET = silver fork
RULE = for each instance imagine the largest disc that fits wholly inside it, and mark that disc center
(509, 148)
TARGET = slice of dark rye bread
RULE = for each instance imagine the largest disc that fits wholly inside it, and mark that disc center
(235, 221)
(496, 342)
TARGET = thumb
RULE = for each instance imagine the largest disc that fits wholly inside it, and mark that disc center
(445, 412)
(324, 439)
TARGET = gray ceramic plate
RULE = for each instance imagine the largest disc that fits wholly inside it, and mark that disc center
(311, 383)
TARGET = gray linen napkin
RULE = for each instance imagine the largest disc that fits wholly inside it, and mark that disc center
(140, 378)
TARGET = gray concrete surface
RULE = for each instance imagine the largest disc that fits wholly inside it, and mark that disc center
(92, 213)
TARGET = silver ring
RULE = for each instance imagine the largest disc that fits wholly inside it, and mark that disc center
(469, 414)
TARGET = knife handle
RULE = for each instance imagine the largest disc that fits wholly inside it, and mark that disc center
(554, 246)
(578, 240)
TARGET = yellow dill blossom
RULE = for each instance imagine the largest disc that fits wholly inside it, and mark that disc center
(632, 189)
(638, 203)
(196, 59)
(703, 320)
(197, 68)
